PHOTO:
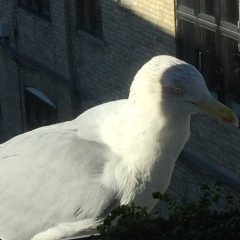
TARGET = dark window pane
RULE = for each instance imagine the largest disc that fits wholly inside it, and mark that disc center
(187, 3)
(46, 7)
(90, 16)
(210, 63)
(230, 11)
(82, 12)
(207, 7)
(96, 15)
(187, 41)
(38, 112)
(39, 7)
(232, 68)
(35, 4)
(23, 2)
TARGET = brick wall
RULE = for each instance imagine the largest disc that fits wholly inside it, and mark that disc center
(11, 119)
(43, 40)
(37, 56)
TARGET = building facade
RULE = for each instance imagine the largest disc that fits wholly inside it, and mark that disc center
(58, 58)
(75, 53)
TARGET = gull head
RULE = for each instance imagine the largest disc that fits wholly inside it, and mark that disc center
(177, 89)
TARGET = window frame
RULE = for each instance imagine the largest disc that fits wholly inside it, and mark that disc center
(87, 17)
(221, 29)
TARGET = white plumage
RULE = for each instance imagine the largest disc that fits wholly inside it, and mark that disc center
(62, 179)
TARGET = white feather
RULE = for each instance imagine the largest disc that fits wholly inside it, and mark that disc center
(63, 179)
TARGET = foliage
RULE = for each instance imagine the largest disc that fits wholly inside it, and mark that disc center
(193, 220)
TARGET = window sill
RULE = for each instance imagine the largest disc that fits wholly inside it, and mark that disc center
(207, 18)
(229, 26)
(91, 38)
(124, 3)
(186, 10)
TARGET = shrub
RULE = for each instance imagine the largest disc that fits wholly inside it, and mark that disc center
(193, 220)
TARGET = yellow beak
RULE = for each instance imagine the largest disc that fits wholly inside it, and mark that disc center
(220, 111)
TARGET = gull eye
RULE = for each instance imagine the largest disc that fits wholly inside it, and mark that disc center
(177, 90)
(174, 90)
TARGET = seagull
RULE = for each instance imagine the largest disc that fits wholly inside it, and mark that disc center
(61, 180)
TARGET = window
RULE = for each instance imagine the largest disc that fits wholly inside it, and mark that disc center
(89, 16)
(207, 7)
(230, 11)
(40, 8)
(208, 37)
(40, 111)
